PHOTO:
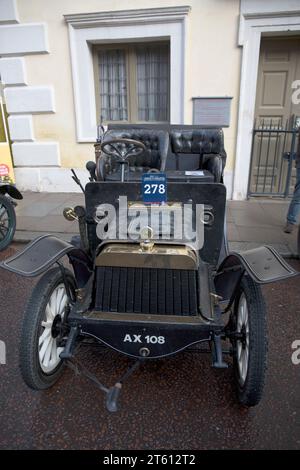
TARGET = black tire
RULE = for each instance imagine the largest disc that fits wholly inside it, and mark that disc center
(7, 229)
(35, 312)
(250, 387)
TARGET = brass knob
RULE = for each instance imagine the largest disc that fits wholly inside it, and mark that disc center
(69, 214)
(147, 245)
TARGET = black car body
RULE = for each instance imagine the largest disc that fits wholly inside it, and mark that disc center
(152, 296)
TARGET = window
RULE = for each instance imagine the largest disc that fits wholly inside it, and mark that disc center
(133, 82)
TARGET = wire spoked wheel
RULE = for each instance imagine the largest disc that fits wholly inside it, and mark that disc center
(45, 330)
(243, 344)
(7, 222)
(248, 321)
(49, 349)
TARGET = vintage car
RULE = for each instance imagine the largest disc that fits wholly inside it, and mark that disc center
(151, 273)
(8, 192)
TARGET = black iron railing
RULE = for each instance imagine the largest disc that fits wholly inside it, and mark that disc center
(272, 159)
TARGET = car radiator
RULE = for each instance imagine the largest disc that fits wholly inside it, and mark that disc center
(146, 290)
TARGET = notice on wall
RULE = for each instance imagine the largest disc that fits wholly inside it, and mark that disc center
(212, 111)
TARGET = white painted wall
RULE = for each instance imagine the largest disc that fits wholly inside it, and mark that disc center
(210, 52)
(8, 11)
(23, 39)
(29, 99)
(269, 6)
(49, 179)
(21, 128)
(46, 80)
(17, 40)
(12, 71)
(36, 154)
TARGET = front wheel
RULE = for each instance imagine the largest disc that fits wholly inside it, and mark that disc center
(248, 319)
(42, 331)
(7, 222)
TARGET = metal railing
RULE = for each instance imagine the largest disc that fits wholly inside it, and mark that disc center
(272, 159)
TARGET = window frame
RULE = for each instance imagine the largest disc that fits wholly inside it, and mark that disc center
(131, 79)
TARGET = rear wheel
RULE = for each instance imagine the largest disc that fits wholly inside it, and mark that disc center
(7, 222)
(43, 330)
(248, 320)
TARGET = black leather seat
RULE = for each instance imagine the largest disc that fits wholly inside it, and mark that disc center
(155, 156)
(199, 149)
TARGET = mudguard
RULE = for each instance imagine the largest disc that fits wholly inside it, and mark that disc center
(42, 253)
(11, 190)
(263, 265)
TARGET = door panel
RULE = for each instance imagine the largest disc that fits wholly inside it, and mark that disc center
(276, 72)
(273, 89)
(279, 66)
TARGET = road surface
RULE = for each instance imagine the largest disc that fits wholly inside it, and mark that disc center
(177, 403)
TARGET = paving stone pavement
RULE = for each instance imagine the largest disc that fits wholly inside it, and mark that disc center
(249, 223)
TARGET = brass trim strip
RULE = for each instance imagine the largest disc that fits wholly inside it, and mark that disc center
(159, 257)
(147, 318)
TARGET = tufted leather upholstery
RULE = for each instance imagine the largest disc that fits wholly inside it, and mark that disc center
(208, 144)
(155, 156)
(197, 141)
(174, 148)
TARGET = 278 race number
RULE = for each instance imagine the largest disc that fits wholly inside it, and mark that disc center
(154, 188)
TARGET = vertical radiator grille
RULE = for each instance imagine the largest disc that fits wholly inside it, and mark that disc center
(145, 290)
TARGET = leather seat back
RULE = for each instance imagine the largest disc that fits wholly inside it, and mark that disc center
(196, 149)
(198, 141)
(156, 143)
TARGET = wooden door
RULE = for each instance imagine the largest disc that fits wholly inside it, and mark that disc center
(279, 65)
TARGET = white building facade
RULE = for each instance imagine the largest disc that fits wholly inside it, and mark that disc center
(51, 54)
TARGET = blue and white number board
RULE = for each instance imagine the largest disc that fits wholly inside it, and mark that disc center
(154, 188)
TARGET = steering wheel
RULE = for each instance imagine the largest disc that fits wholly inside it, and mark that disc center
(122, 148)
